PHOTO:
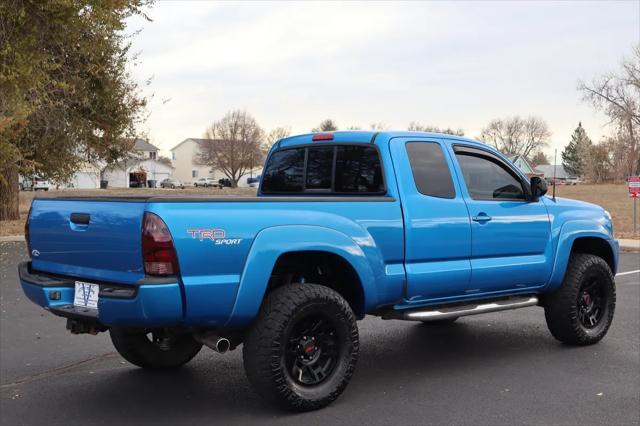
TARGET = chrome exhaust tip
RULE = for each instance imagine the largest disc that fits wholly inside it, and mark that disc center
(213, 341)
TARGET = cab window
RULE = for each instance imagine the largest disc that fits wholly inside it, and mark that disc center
(337, 169)
(430, 170)
(487, 179)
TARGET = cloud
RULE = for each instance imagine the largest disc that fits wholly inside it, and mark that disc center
(455, 64)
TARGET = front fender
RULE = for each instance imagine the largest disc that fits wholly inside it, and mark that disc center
(273, 242)
(569, 232)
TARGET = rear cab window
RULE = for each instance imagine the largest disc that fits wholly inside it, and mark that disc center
(326, 169)
(430, 170)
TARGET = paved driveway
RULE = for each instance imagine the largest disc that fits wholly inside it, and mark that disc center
(502, 368)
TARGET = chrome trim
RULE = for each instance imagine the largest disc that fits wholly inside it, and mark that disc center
(465, 310)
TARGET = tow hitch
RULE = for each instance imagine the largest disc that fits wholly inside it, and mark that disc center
(84, 327)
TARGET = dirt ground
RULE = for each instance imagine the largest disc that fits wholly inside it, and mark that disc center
(613, 197)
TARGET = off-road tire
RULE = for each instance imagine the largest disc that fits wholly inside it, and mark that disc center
(138, 349)
(562, 307)
(267, 344)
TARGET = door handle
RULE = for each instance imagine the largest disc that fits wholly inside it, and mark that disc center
(481, 217)
(80, 218)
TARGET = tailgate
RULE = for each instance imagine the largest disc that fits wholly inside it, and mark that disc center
(91, 239)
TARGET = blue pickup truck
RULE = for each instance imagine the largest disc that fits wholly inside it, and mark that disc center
(401, 225)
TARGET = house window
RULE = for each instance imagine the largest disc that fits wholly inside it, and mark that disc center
(173, 155)
(152, 155)
(194, 173)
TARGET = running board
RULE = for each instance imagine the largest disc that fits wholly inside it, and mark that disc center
(444, 312)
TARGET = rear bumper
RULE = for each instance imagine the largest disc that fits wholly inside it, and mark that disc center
(153, 304)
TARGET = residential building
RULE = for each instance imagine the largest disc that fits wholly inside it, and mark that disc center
(187, 169)
(141, 167)
(525, 167)
(560, 173)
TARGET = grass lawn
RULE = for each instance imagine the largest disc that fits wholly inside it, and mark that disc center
(613, 197)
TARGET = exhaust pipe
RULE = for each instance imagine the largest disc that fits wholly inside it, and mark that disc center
(215, 342)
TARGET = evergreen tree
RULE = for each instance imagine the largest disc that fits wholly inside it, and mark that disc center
(576, 153)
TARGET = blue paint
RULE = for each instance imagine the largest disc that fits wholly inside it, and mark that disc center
(408, 251)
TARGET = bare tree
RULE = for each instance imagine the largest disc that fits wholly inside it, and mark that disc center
(276, 134)
(598, 165)
(415, 126)
(379, 126)
(618, 96)
(354, 127)
(517, 135)
(327, 125)
(233, 145)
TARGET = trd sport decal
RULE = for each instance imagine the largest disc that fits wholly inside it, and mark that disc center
(218, 236)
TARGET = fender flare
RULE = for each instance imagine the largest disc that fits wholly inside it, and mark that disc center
(569, 233)
(272, 242)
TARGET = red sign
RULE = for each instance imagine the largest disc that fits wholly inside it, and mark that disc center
(633, 183)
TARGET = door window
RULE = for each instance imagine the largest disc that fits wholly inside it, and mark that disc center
(487, 179)
(431, 173)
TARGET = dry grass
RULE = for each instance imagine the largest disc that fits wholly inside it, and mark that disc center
(613, 197)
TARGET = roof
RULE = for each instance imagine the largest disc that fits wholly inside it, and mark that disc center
(547, 169)
(143, 145)
(365, 136)
(196, 140)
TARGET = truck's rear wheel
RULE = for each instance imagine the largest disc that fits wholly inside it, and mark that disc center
(154, 349)
(302, 350)
(580, 312)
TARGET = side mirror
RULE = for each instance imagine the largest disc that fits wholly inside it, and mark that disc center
(538, 187)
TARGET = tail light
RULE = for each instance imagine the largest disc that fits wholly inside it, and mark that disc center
(158, 253)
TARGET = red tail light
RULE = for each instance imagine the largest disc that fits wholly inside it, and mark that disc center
(158, 253)
(322, 137)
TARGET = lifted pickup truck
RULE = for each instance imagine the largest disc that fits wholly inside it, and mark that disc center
(401, 225)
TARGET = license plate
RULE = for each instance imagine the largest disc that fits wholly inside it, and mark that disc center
(86, 295)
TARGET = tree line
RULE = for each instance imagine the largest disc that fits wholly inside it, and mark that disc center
(67, 97)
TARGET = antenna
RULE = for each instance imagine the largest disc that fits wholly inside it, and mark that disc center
(555, 156)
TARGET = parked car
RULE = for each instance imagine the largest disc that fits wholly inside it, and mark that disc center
(253, 182)
(401, 225)
(25, 183)
(40, 184)
(206, 182)
(224, 182)
(171, 183)
(574, 181)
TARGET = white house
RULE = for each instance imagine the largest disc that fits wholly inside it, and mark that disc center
(143, 162)
(186, 169)
(86, 177)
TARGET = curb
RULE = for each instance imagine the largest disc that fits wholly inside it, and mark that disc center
(12, 239)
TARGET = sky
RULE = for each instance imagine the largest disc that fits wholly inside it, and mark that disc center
(447, 63)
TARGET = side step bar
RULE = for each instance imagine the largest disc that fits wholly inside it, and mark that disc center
(444, 312)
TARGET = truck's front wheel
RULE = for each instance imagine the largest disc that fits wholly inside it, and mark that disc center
(154, 349)
(302, 350)
(581, 310)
